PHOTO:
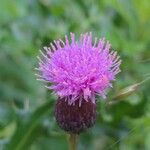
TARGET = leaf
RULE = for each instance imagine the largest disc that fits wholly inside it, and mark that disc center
(127, 92)
(24, 133)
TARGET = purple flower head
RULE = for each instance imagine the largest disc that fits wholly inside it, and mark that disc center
(80, 69)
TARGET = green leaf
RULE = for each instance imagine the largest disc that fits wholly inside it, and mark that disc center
(25, 131)
(122, 94)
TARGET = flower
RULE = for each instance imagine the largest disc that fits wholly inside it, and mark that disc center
(79, 68)
(78, 71)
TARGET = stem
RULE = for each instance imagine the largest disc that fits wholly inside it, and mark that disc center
(73, 141)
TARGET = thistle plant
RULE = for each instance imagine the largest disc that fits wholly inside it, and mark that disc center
(76, 71)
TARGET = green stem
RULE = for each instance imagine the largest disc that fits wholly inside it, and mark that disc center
(73, 141)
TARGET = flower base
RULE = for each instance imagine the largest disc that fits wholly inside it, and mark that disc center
(74, 118)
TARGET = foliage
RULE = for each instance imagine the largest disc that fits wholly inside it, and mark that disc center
(26, 107)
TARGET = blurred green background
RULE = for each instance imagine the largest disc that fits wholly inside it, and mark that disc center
(26, 107)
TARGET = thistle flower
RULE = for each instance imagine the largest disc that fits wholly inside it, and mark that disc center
(78, 71)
